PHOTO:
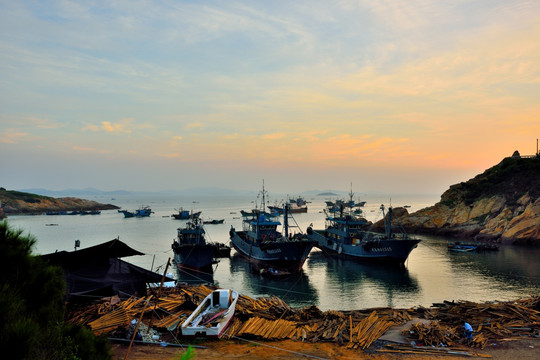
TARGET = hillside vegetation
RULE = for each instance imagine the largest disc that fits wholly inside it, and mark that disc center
(17, 202)
(511, 178)
(502, 204)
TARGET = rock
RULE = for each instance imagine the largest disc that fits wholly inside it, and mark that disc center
(501, 204)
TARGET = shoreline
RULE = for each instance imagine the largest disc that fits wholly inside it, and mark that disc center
(269, 327)
(523, 349)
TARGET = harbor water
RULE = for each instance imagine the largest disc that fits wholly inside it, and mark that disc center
(431, 274)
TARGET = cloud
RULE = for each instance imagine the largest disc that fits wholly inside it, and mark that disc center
(121, 126)
(126, 126)
(274, 136)
(194, 126)
(170, 156)
(11, 136)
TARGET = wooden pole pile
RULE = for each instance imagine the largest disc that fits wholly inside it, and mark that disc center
(490, 321)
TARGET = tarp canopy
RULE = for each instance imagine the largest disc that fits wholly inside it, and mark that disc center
(98, 271)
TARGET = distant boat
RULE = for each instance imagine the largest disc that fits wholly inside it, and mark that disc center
(90, 212)
(298, 205)
(143, 211)
(212, 316)
(457, 247)
(214, 222)
(186, 214)
(470, 247)
(345, 235)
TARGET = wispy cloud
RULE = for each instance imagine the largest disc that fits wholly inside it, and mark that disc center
(11, 136)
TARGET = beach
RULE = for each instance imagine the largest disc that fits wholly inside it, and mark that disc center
(523, 349)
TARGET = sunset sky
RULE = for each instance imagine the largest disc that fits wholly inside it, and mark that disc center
(392, 96)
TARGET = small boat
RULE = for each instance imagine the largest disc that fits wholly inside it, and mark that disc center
(90, 212)
(214, 222)
(458, 247)
(469, 247)
(186, 214)
(212, 316)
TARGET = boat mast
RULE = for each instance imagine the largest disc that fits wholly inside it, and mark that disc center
(286, 220)
(387, 224)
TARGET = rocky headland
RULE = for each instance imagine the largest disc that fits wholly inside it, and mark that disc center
(16, 202)
(500, 205)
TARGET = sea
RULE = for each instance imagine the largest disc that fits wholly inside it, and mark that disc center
(430, 275)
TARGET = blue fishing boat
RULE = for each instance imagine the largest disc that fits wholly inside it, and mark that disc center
(458, 247)
(143, 211)
(265, 247)
(185, 214)
(346, 235)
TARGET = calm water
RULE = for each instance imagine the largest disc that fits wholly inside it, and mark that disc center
(431, 274)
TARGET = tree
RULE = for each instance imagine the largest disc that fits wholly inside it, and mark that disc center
(32, 306)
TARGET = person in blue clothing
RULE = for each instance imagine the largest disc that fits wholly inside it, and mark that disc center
(468, 331)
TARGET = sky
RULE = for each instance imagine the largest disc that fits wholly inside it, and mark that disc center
(391, 96)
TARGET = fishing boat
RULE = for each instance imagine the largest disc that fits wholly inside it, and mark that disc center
(212, 316)
(470, 247)
(143, 211)
(457, 247)
(346, 235)
(186, 214)
(191, 250)
(265, 247)
(214, 221)
(298, 205)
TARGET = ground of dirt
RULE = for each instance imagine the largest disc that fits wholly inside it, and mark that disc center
(522, 349)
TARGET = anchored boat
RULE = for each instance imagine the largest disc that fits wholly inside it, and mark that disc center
(185, 214)
(191, 250)
(346, 235)
(265, 247)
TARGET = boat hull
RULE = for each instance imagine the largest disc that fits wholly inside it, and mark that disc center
(194, 257)
(382, 251)
(212, 317)
(283, 255)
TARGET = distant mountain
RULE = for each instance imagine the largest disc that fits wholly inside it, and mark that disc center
(325, 192)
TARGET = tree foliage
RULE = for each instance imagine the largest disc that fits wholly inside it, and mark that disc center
(32, 306)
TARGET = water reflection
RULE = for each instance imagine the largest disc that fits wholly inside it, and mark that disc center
(296, 289)
(511, 265)
(193, 277)
(361, 283)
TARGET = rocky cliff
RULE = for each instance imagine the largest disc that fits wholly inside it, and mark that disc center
(16, 202)
(502, 204)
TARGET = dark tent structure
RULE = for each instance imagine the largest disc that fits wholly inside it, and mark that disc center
(98, 271)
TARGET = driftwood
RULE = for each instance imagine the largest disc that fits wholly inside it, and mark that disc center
(272, 319)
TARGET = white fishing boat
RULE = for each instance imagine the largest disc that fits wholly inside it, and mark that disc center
(212, 316)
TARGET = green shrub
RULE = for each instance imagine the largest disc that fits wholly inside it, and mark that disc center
(32, 307)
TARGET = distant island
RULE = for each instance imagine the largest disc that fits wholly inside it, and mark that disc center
(17, 202)
(327, 194)
(500, 205)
